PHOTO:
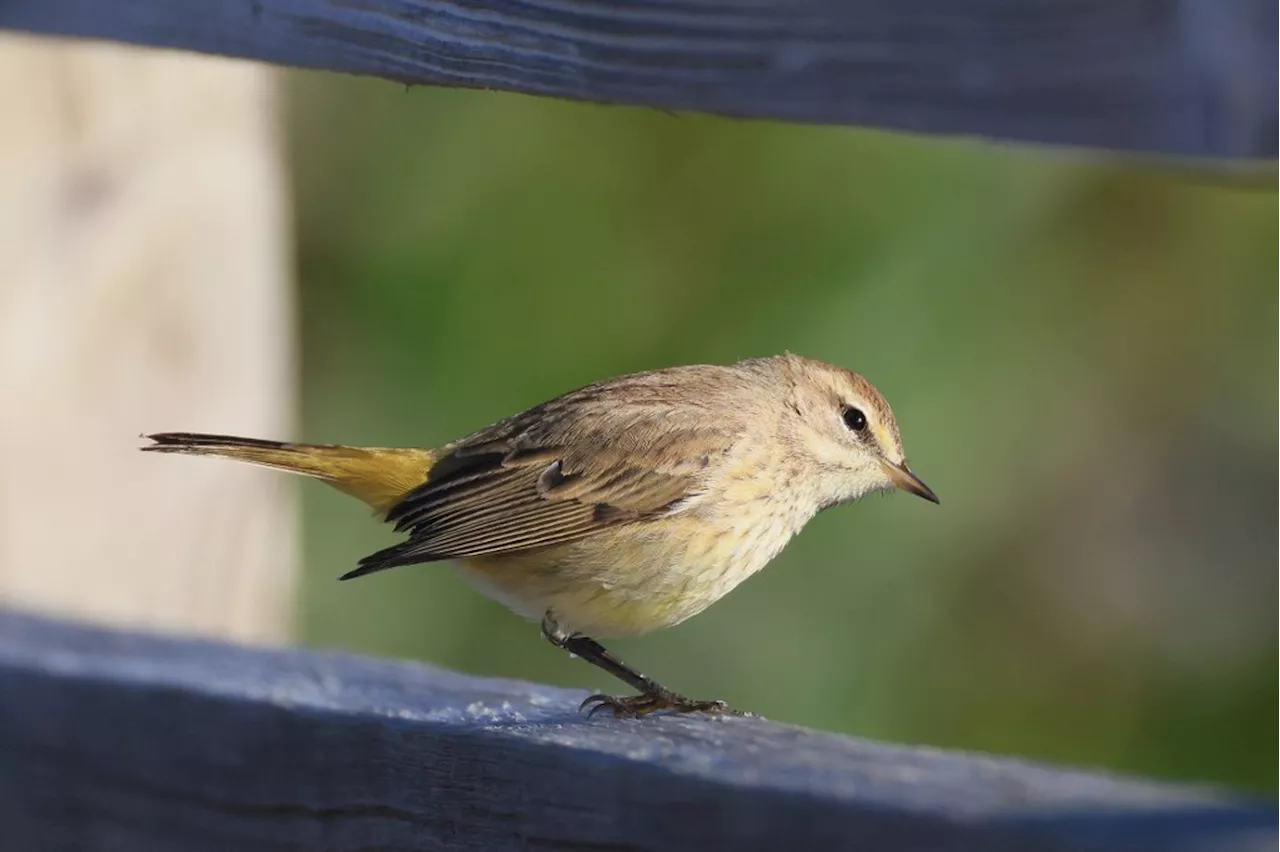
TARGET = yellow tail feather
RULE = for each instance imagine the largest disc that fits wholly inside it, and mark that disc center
(380, 476)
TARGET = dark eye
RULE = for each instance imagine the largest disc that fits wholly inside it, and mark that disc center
(855, 419)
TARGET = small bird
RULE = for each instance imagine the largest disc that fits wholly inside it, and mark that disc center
(622, 507)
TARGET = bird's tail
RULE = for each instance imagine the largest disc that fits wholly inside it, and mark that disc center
(379, 476)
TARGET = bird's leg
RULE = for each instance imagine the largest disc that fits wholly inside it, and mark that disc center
(653, 695)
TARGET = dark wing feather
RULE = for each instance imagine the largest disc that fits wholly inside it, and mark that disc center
(574, 466)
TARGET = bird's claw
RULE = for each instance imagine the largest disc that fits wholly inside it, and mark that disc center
(635, 706)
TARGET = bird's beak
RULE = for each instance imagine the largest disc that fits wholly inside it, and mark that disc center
(902, 477)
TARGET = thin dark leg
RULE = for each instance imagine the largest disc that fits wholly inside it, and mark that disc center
(653, 695)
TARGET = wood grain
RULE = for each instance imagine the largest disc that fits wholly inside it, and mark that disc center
(114, 741)
(1176, 77)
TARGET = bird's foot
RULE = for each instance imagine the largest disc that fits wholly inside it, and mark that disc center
(635, 706)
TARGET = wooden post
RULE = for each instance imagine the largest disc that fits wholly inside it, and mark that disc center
(143, 286)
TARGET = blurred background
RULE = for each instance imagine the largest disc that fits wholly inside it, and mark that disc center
(1078, 349)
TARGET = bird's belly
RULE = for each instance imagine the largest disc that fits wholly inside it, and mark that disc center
(632, 579)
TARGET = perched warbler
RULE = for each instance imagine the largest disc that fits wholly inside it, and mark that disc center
(622, 507)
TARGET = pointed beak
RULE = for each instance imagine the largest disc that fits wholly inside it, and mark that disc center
(902, 477)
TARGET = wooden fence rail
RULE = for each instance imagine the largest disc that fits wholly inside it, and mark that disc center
(1178, 77)
(114, 741)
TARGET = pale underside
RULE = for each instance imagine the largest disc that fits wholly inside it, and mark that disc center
(633, 579)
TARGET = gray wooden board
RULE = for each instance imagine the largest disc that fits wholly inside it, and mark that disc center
(1179, 77)
(113, 741)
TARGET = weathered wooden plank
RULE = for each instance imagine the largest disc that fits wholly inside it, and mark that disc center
(1181, 77)
(113, 741)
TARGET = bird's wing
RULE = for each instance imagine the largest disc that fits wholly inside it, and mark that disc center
(557, 473)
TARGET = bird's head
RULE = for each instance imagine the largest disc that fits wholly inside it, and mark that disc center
(843, 433)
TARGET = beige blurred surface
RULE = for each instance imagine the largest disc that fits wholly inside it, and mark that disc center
(144, 286)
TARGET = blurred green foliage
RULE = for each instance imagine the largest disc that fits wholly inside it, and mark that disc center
(1079, 351)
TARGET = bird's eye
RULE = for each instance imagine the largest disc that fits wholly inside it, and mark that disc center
(855, 419)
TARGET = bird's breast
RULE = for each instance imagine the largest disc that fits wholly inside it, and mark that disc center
(644, 576)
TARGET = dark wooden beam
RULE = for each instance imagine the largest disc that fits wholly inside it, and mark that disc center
(1176, 77)
(112, 741)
